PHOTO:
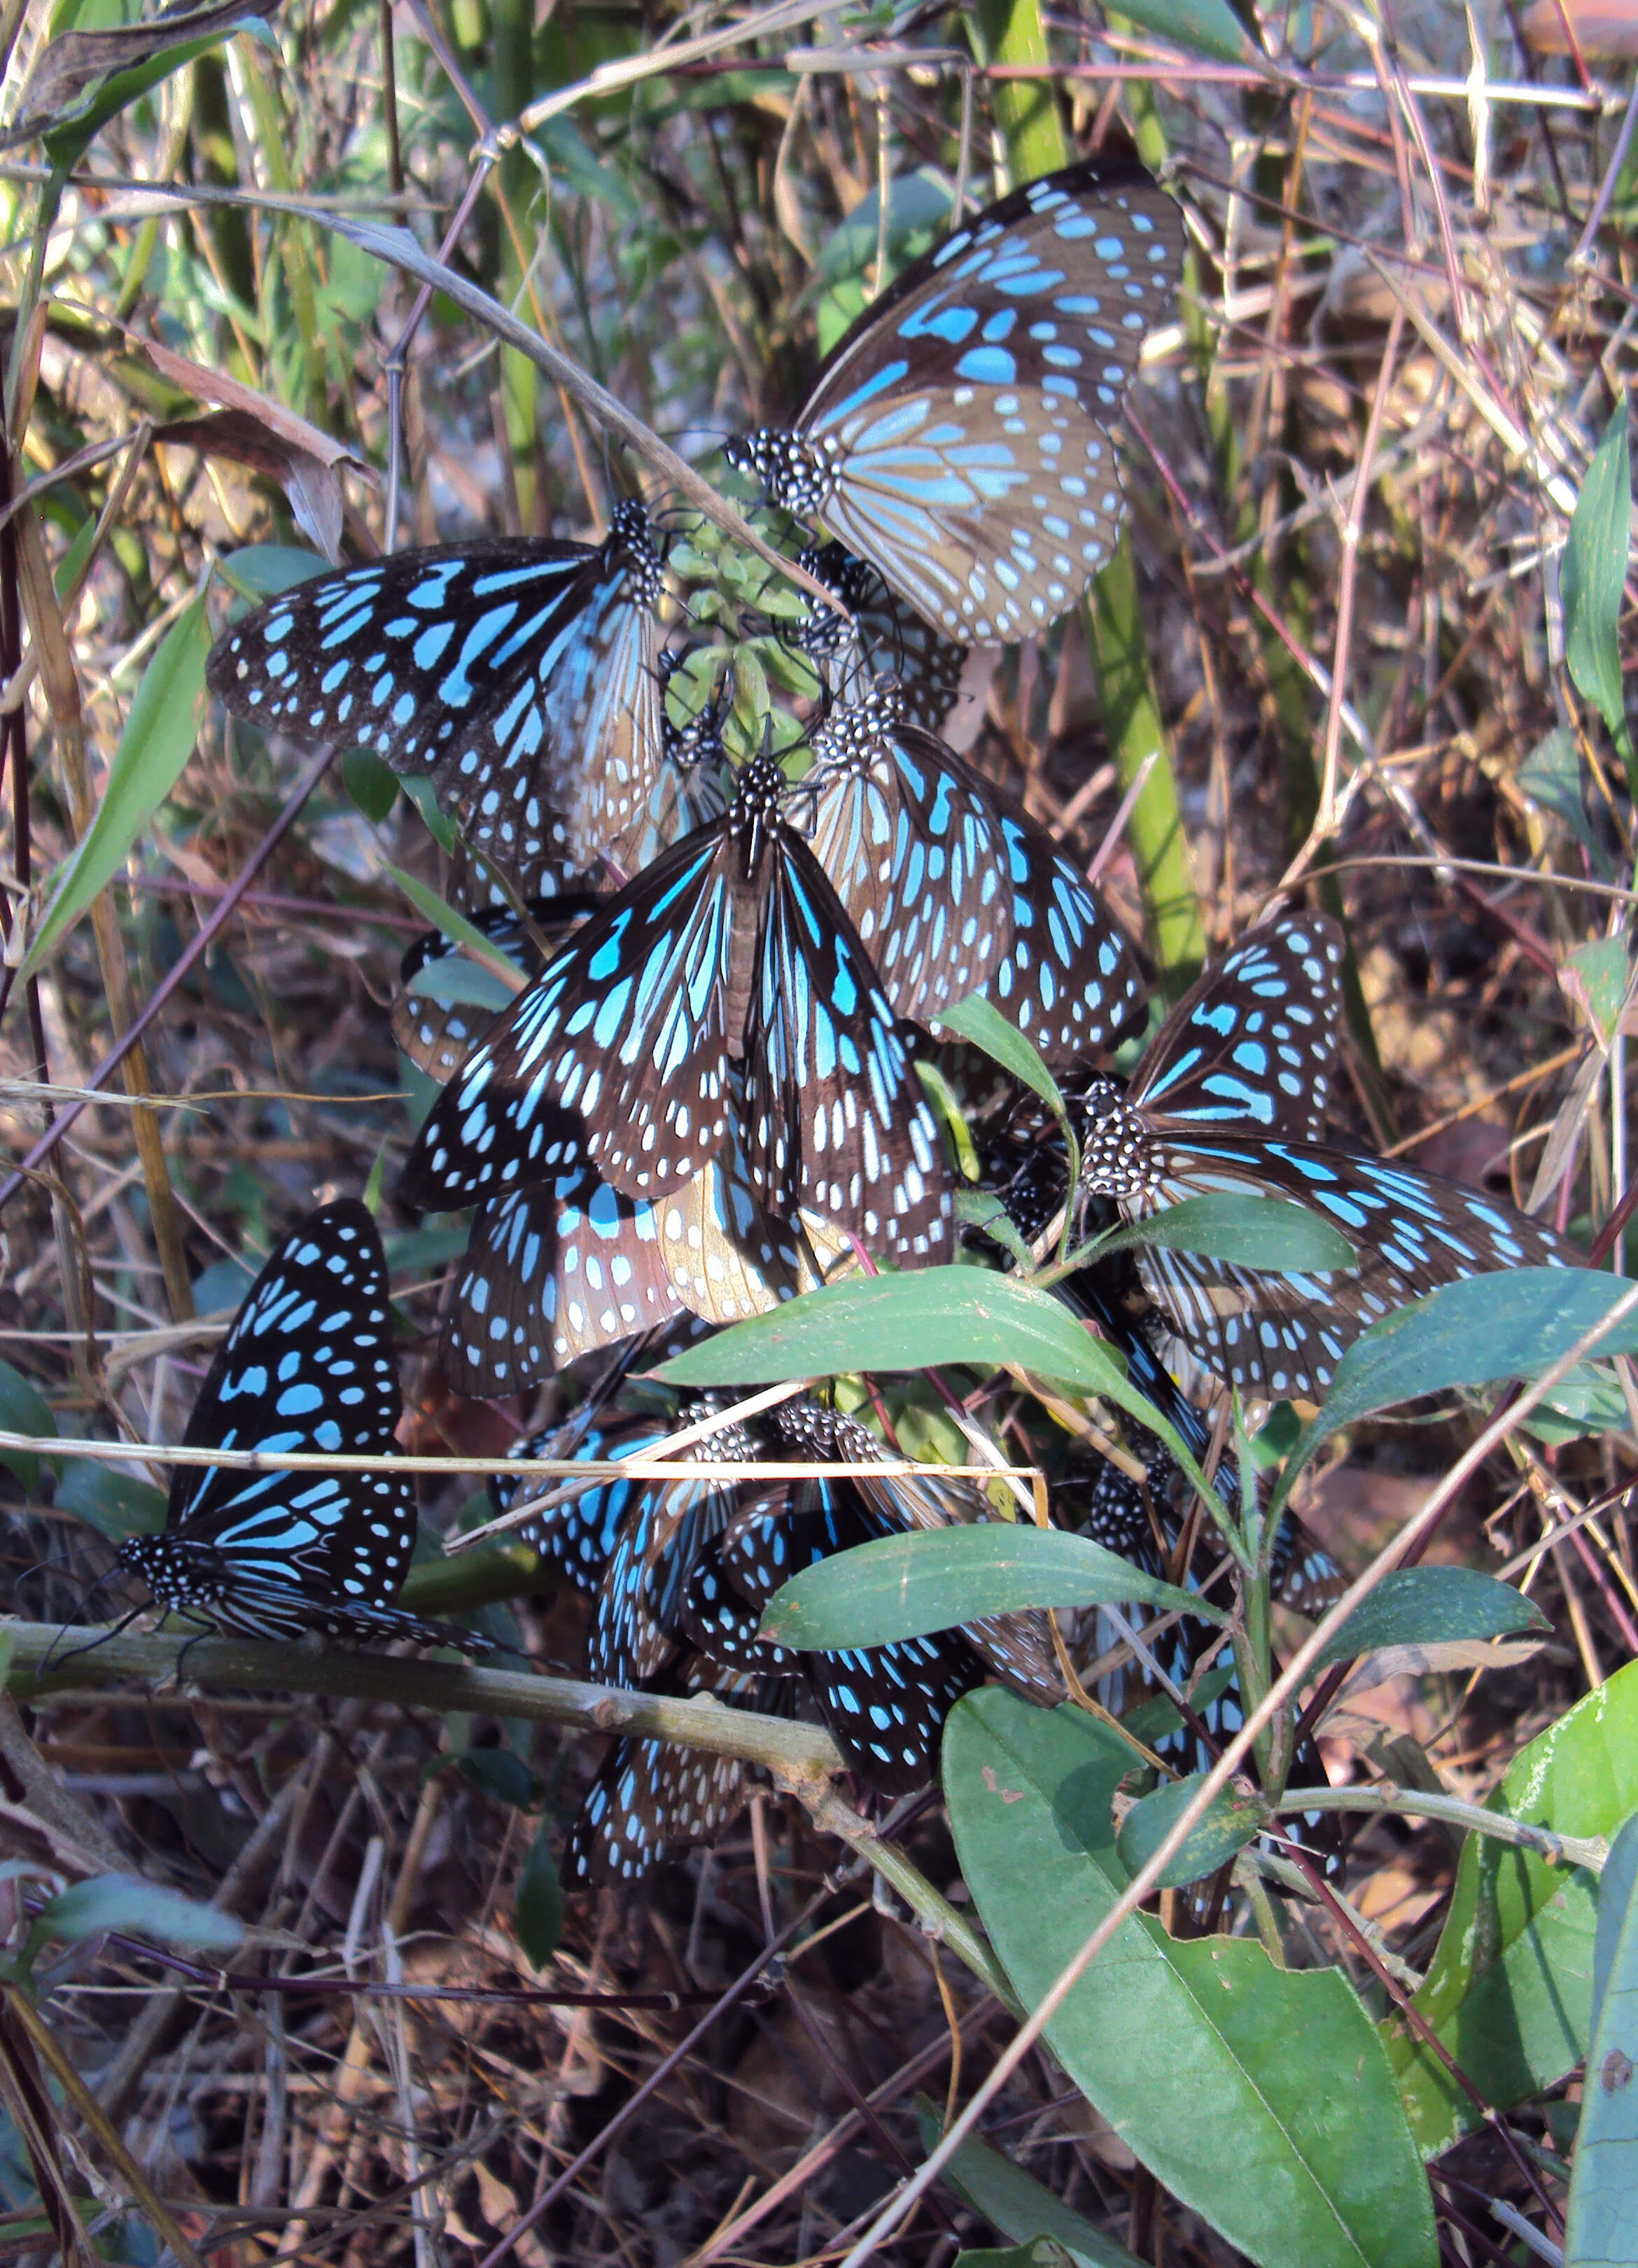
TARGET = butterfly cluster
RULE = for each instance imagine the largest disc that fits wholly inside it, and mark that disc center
(678, 1574)
(680, 1069)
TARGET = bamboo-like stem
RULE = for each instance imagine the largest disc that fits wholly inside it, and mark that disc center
(1008, 32)
(797, 1753)
(59, 683)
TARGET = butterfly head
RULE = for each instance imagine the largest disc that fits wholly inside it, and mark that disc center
(760, 789)
(796, 477)
(1117, 1148)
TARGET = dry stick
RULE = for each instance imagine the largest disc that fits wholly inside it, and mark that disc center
(802, 1754)
(1325, 818)
(399, 249)
(662, 2071)
(60, 682)
(791, 2184)
(1282, 1690)
(174, 976)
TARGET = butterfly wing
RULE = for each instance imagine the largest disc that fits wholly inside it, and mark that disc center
(835, 1120)
(1070, 982)
(1252, 1047)
(883, 640)
(1017, 1648)
(448, 1000)
(518, 674)
(617, 1056)
(958, 437)
(650, 1801)
(578, 1537)
(909, 840)
(885, 1705)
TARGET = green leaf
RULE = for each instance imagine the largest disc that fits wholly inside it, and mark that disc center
(1230, 1821)
(1601, 2230)
(1430, 1606)
(22, 1411)
(1513, 1324)
(431, 908)
(1037, 2252)
(1013, 2201)
(905, 1586)
(907, 1322)
(1592, 578)
(1551, 775)
(982, 1025)
(135, 1909)
(67, 144)
(373, 787)
(540, 1902)
(1587, 1400)
(158, 740)
(439, 824)
(1617, 1886)
(902, 1323)
(117, 1505)
(1206, 27)
(1260, 2097)
(1267, 1233)
(460, 980)
(267, 571)
(1508, 1990)
(1600, 973)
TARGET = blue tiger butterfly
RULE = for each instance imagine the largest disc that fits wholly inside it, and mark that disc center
(308, 1365)
(958, 436)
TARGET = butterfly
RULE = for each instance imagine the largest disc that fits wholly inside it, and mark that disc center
(958, 436)
(730, 948)
(1244, 1056)
(955, 891)
(1016, 1647)
(521, 676)
(308, 1365)
(883, 640)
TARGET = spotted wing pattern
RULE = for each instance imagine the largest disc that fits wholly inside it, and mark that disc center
(520, 675)
(577, 1537)
(448, 1000)
(650, 1801)
(1017, 1648)
(1253, 1045)
(959, 436)
(307, 1366)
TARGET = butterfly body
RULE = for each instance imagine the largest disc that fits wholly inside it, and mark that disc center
(307, 1366)
(958, 436)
